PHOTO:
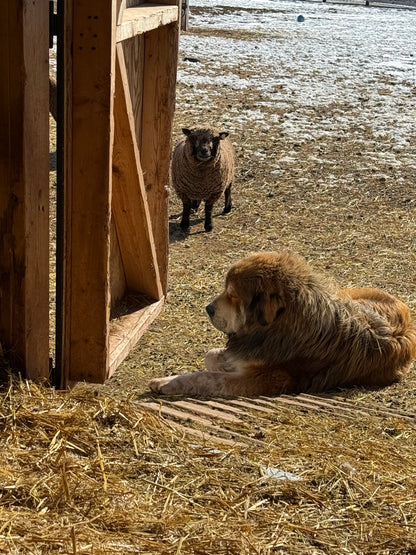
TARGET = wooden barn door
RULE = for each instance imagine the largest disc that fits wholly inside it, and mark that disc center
(120, 61)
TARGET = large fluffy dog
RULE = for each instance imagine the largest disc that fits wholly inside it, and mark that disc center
(291, 330)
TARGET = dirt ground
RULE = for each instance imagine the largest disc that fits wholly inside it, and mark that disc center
(339, 201)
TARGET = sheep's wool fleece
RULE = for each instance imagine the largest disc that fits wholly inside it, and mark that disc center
(202, 180)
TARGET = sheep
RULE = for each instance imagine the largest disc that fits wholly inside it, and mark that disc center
(202, 170)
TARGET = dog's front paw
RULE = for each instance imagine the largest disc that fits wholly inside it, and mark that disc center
(165, 386)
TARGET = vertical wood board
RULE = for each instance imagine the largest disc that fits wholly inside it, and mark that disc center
(24, 167)
(161, 46)
(130, 209)
(134, 57)
(88, 190)
(118, 285)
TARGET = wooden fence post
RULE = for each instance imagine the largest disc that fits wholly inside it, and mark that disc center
(90, 64)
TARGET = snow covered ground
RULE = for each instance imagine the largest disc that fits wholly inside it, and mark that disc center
(359, 61)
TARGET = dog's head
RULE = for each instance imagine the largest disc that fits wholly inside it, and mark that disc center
(258, 291)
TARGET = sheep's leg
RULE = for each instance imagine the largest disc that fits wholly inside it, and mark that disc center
(186, 214)
(228, 204)
(208, 216)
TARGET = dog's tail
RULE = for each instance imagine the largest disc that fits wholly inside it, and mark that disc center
(405, 332)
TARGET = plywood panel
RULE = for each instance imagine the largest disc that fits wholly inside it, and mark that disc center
(24, 179)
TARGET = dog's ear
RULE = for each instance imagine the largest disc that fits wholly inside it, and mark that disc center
(264, 308)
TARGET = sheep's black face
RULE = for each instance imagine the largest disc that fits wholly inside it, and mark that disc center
(204, 143)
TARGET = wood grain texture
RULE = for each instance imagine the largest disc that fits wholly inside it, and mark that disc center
(126, 332)
(121, 6)
(91, 32)
(24, 190)
(118, 285)
(161, 47)
(144, 18)
(134, 57)
(131, 213)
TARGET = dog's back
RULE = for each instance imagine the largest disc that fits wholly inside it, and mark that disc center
(392, 309)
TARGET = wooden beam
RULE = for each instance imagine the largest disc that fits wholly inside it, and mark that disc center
(90, 35)
(24, 190)
(161, 48)
(184, 15)
(131, 213)
(144, 18)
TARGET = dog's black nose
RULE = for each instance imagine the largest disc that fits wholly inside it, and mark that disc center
(211, 310)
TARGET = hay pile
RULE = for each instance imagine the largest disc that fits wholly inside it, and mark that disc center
(83, 473)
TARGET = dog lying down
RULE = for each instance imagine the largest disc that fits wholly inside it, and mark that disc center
(291, 330)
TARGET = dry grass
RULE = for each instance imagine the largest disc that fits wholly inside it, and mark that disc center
(93, 474)
(89, 471)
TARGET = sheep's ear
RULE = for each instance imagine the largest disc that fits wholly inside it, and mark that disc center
(223, 134)
(186, 131)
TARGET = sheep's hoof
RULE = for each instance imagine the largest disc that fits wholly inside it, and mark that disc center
(209, 227)
(227, 209)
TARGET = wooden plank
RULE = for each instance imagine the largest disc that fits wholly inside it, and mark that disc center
(251, 404)
(90, 35)
(207, 425)
(161, 51)
(121, 6)
(207, 438)
(341, 402)
(127, 330)
(222, 406)
(134, 60)
(131, 213)
(338, 405)
(184, 15)
(24, 179)
(118, 285)
(206, 410)
(144, 18)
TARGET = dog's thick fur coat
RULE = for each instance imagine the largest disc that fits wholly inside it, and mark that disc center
(292, 330)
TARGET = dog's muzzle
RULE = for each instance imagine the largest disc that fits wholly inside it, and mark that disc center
(210, 309)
